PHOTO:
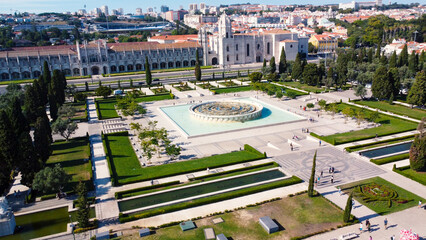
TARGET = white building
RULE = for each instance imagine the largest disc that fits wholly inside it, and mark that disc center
(355, 5)
(226, 48)
(104, 10)
(138, 12)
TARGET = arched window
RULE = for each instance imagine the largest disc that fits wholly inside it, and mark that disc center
(227, 48)
(268, 48)
(237, 57)
(227, 58)
(113, 69)
(248, 50)
(227, 35)
(236, 47)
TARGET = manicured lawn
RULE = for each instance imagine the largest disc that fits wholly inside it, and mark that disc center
(302, 86)
(228, 83)
(379, 144)
(205, 85)
(159, 90)
(390, 159)
(389, 125)
(416, 176)
(182, 88)
(395, 108)
(232, 89)
(107, 106)
(71, 155)
(126, 167)
(298, 215)
(386, 189)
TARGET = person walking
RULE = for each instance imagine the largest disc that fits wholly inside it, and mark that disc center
(332, 179)
(320, 143)
(340, 191)
(360, 227)
(371, 238)
(321, 173)
(386, 223)
(319, 179)
(420, 203)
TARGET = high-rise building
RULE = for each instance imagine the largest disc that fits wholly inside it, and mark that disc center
(150, 10)
(104, 10)
(164, 8)
(81, 12)
(202, 6)
(138, 11)
(97, 11)
(120, 11)
(193, 7)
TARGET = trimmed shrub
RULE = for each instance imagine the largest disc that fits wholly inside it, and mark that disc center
(119, 195)
(390, 159)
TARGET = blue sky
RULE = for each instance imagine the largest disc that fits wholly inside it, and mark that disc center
(129, 6)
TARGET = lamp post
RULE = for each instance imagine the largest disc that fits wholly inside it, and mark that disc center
(72, 227)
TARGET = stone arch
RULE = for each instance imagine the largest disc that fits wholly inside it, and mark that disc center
(75, 71)
(84, 71)
(36, 74)
(130, 67)
(138, 66)
(26, 75)
(121, 68)
(193, 63)
(171, 65)
(185, 63)
(16, 75)
(113, 69)
(214, 61)
(162, 65)
(5, 76)
(154, 65)
(105, 70)
(178, 64)
(95, 70)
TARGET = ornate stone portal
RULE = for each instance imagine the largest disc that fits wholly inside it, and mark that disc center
(7, 219)
(227, 111)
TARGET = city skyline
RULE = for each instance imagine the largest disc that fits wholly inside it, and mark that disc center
(130, 6)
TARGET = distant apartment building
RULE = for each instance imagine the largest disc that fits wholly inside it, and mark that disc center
(323, 43)
(164, 8)
(138, 12)
(104, 10)
(357, 5)
(172, 16)
(195, 21)
(398, 44)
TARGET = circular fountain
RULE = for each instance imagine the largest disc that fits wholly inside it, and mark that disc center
(227, 111)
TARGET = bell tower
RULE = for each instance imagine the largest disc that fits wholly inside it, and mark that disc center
(204, 42)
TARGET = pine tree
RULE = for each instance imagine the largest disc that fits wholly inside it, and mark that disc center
(17, 118)
(83, 212)
(42, 138)
(8, 150)
(197, 70)
(264, 63)
(32, 103)
(30, 164)
(412, 62)
(378, 52)
(392, 60)
(297, 67)
(370, 55)
(382, 87)
(273, 65)
(417, 93)
(148, 75)
(282, 66)
(312, 178)
(403, 57)
(53, 107)
(348, 209)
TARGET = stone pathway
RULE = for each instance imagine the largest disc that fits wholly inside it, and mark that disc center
(106, 207)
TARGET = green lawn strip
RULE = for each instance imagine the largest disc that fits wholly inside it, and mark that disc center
(406, 171)
(389, 125)
(126, 168)
(306, 217)
(210, 177)
(382, 207)
(16, 81)
(379, 144)
(158, 71)
(78, 77)
(231, 89)
(106, 108)
(71, 156)
(210, 199)
(394, 108)
(390, 159)
(151, 98)
(302, 86)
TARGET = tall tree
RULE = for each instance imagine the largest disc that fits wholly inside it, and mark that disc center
(348, 209)
(382, 87)
(418, 149)
(417, 93)
(378, 52)
(32, 103)
(46, 78)
(393, 60)
(312, 178)
(29, 163)
(65, 127)
(403, 57)
(148, 75)
(310, 74)
(297, 69)
(197, 70)
(83, 212)
(264, 63)
(42, 138)
(413, 62)
(50, 180)
(370, 55)
(342, 68)
(17, 118)
(282, 66)
(273, 65)
(8, 150)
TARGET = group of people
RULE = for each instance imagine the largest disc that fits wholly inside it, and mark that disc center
(305, 130)
(330, 170)
(368, 225)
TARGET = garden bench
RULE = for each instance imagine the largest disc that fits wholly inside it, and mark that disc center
(347, 236)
